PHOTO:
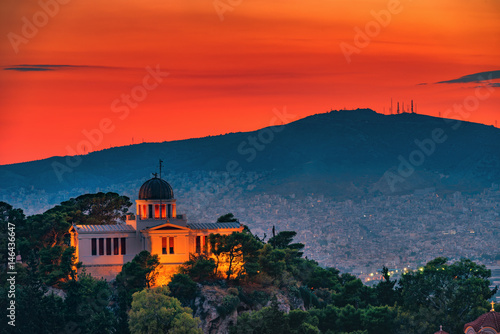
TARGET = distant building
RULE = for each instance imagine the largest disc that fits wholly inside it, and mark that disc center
(495, 281)
(157, 228)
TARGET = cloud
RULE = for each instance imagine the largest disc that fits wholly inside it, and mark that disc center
(45, 67)
(476, 77)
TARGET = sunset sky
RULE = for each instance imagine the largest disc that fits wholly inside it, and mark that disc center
(230, 63)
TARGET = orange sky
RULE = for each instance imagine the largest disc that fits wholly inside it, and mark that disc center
(228, 75)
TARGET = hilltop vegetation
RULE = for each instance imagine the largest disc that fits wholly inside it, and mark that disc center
(242, 284)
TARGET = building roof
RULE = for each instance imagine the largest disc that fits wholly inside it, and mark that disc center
(213, 226)
(103, 228)
(156, 188)
(490, 319)
(441, 331)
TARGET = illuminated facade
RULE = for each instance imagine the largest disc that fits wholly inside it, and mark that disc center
(157, 228)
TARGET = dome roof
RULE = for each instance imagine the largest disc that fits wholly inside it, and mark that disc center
(156, 188)
(490, 319)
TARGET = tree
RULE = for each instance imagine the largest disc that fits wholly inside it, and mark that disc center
(458, 293)
(94, 209)
(378, 319)
(36, 310)
(237, 251)
(183, 288)
(328, 317)
(136, 275)
(324, 278)
(11, 220)
(154, 311)
(199, 267)
(58, 265)
(227, 218)
(283, 240)
(384, 290)
(354, 292)
(185, 324)
(87, 305)
(349, 319)
(272, 261)
(268, 320)
(302, 322)
(46, 230)
(140, 272)
(42, 243)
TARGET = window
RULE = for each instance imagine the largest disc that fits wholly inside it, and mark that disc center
(205, 244)
(101, 246)
(139, 210)
(163, 212)
(150, 207)
(108, 246)
(123, 246)
(164, 245)
(171, 245)
(94, 246)
(144, 212)
(116, 246)
(198, 244)
(157, 211)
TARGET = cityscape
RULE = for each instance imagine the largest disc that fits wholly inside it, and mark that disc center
(356, 236)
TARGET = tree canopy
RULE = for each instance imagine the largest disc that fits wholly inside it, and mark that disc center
(94, 209)
(135, 276)
(446, 294)
(154, 311)
(227, 218)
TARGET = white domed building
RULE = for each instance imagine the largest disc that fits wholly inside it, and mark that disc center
(157, 228)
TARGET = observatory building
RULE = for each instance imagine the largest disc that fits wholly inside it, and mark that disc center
(156, 228)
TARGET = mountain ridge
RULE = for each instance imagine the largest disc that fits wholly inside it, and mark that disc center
(345, 154)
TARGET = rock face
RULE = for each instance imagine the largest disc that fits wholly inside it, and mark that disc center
(206, 309)
(55, 292)
(287, 302)
(218, 307)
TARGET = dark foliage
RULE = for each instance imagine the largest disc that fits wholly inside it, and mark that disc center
(183, 288)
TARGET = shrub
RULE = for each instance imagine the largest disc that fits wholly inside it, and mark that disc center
(228, 305)
(183, 288)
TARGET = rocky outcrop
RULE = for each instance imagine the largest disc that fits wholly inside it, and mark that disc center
(56, 292)
(218, 307)
(206, 306)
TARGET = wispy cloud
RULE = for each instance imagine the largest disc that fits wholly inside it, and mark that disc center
(476, 77)
(46, 67)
